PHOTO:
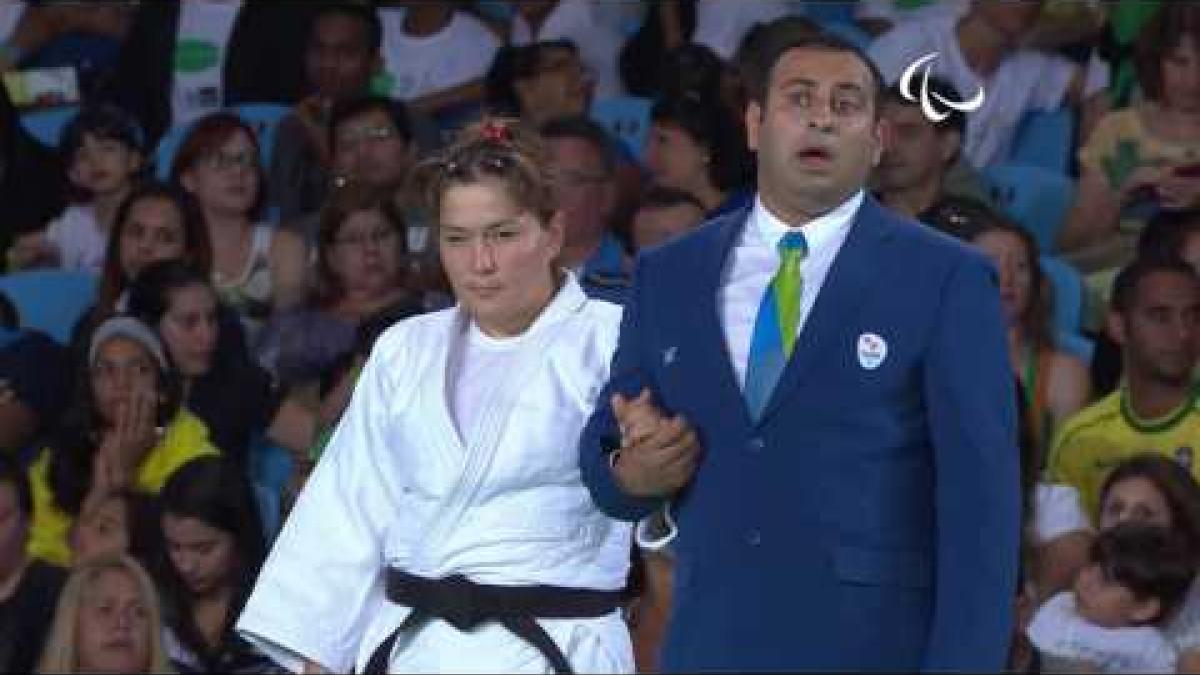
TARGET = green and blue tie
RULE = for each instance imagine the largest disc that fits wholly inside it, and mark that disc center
(775, 326)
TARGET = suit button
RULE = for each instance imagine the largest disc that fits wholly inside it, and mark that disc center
(757, 445)
(754, 538)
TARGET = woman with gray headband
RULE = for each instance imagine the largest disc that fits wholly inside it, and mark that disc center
(126, 430)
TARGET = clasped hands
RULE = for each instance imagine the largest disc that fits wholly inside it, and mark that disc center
(658, 454)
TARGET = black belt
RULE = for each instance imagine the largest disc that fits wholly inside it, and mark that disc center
(465, 605)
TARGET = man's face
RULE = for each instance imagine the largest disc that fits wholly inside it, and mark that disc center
(560, 87)
(816, 133)
(584, 187)
(913, 154)
(1159, 330)
(339, 61)
(370, 149)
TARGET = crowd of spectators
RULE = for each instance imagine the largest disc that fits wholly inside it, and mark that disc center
(240, 283)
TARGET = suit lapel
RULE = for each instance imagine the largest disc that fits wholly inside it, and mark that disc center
(845, 287)
(706, 324)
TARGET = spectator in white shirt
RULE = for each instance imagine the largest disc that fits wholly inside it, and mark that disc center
(984, 49)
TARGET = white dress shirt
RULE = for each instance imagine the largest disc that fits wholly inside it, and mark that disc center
(754, 261)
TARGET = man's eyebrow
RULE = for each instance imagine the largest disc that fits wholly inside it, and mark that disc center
(798, 81)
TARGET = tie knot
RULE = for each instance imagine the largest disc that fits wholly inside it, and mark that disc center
(793, 242)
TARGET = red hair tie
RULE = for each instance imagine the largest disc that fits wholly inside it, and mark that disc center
(496, 132)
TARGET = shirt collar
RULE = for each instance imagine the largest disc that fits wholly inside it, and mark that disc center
(818, 232)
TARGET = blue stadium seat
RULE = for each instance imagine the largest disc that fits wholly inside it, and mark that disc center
(1068, 294)
(168, 145)
(627, 118)
(850, 33)
(269, 468)
(50, 300)
(1076, 345)
(46, 126)
(1036, 198)
(1045, 139)
(264, 118)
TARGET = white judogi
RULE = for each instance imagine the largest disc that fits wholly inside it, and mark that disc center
(397, 487)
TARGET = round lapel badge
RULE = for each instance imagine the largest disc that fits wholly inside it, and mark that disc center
(872, 350)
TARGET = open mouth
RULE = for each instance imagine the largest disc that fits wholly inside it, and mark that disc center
(814, 154)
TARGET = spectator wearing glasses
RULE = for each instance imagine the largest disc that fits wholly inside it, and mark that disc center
(584, 169)
(360, 273)
(256, 267)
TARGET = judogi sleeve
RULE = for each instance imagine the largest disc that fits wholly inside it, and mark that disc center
(322, 582)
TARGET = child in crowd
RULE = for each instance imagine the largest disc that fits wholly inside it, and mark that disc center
(102, 151)
(1136, 577)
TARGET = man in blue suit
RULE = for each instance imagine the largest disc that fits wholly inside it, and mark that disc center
(840, 468)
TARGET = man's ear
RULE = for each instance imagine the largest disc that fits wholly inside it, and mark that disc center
(753, 119)
(885, 134)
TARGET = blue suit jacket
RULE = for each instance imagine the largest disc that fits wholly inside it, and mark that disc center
(870, 518)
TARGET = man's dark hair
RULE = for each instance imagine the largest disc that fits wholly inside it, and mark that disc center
(512, 64)
(104, 121)
(1167, 233)
(955, 120)
(1126, 285)
(663, 197)
(356, 10)
(359, 105)
(711, 126)
(1151, 561)
(587, 130)
(762, 53)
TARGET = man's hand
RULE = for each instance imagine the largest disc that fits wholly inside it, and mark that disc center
(658, 455)
(637, 418)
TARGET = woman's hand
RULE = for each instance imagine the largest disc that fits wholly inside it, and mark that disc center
(130, 438)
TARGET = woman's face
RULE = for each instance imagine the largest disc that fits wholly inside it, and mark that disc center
(121, 371)
(189, 328)
(1016, 274)
(152, 231)
(204, 556)
(676, 159)
(365, 254)
(114, 626)
(497, 256)
(1137, 500)
(225, 181)
(1181, 76)
(103, 530)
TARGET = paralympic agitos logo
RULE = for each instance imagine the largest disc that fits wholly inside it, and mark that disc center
(927, 98)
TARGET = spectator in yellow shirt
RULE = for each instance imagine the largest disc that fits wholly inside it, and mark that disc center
(1155, 318)
(127, 431)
